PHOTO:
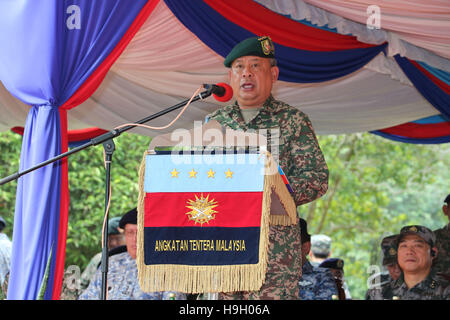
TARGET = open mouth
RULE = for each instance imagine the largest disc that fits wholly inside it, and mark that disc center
(247, 86)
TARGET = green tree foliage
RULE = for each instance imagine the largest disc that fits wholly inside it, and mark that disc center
(87, 190)
(87, 193)
(376, 186)
(10, 144)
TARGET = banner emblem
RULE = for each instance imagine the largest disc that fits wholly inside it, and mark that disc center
(202, 209)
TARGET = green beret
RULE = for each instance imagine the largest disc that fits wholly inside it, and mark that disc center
(260, 47)
(423, 232)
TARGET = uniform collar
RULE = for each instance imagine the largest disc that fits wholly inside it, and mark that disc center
(428, 282)
(307, 267)
(267, 106)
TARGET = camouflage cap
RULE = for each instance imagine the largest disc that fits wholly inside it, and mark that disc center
(261, 47)
(389, 249)
(423, 232)
(333, 263)
(320, 244)
(113, 226)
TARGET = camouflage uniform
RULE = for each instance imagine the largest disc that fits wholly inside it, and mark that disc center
(380, 291)
(442, 261)
(123, 283)
(316, 283)
(5, 256)
(320, 245)
(302, 161)
(389, 251)
(432, 288)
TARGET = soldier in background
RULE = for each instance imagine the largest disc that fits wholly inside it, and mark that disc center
(315, 283)
(418, 281)
(122, 279)
(389, 251)
(336, 266)
(320, 249)
(442, 262)
(5, 259)
(73, 287)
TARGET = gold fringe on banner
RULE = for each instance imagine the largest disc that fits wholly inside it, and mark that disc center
(223, 278)
(275, 184)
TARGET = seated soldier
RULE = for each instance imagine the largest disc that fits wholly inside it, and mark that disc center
(315, 283)
(389, 250)
(418, 281)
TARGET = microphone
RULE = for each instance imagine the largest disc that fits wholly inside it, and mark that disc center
(221, 92)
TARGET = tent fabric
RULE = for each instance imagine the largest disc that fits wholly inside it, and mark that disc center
(303, 13)
(436, 91)
(315, 56)
(75, 40)
(424, 24)
(344, 84)
(306, 13)
(75, 137)
(143, 81)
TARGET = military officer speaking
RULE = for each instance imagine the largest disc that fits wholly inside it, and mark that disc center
(252, 72)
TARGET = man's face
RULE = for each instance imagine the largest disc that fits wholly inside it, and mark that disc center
(252, 78)
(115, 240)
(394, 270)
(131, 239)
(414, 254)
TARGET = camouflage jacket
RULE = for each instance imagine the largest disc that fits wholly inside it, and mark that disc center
(442, 261)
(5, 256)
(316, 283)
(123, 282)
(292, 142)
(380, 290)
(433, 287)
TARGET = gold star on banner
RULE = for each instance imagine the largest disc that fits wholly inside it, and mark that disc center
(229, 174)
(211, 173)
(174, 173)
(192, 174)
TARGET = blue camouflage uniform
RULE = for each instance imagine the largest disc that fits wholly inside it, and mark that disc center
(123, 283)
(316, 283)
(5, 256)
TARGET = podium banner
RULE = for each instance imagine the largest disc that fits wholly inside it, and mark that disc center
(203, 222)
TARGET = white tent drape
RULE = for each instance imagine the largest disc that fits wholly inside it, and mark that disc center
(165, 63)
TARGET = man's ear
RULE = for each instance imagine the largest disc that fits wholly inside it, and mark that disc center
(275, 73)
(433, 253)
(446, 210)
(306, 247)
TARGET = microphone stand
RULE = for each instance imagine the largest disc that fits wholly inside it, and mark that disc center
(109, 147)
